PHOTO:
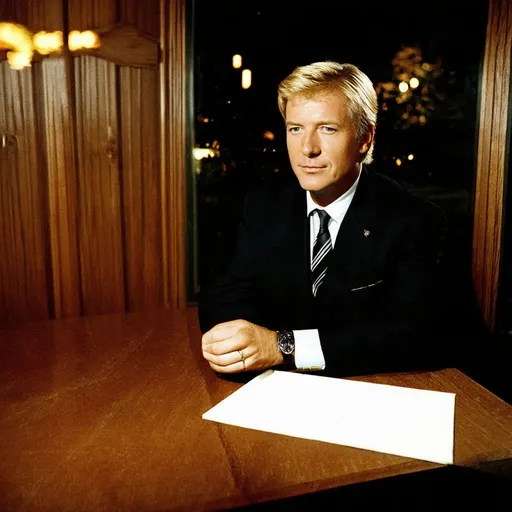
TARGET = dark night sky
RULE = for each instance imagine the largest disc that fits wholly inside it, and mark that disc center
(275, 36)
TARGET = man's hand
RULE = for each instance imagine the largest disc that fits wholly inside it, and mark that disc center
(224, 344)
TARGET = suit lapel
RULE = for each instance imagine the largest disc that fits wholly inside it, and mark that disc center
(290, 243)
(355, 239)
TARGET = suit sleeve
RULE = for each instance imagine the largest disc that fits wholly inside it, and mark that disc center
(404, 332)
(233, 294)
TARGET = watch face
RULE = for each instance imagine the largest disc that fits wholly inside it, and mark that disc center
(286, 342)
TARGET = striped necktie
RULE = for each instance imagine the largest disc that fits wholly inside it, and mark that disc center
(321, 249)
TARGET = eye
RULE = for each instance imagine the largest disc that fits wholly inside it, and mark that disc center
(294, 129)
(328, 129)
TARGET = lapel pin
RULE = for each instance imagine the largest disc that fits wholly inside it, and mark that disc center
(366, 233)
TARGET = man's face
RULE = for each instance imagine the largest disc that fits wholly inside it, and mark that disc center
(322, 145)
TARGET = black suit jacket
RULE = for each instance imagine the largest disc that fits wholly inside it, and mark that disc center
(378, 308)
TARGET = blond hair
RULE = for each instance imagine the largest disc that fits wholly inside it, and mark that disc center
(347, 79)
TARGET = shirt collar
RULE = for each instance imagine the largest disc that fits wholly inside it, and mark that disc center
(337, 208)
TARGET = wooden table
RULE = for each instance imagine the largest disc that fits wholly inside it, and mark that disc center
(104, 413)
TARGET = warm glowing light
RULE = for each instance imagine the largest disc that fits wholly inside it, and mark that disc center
(414, 82)
(78, 40)
(410, 157)
(423, 120)
(19, 60)
(48, 42)
(74, 40)
(18, 39)
(237, 61)
(22, 44)
(89, 39)
(403, 86)
(426, 66)
(267, 134)
(398, 162)
(246, 78)
(200, 153)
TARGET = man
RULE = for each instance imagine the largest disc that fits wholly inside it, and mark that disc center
(336, 273)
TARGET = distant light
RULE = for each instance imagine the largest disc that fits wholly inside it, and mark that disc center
(267, 134)
(398, 162)
(246, 78)
(423, 120)
(426, 66)
(200, 153)
(403, 86)
(237, 61)
(410, 157)
(414, 82)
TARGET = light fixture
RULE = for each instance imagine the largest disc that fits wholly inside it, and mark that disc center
(21, 44)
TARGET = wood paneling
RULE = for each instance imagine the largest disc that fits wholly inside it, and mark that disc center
(100, 236)
(140, 135)
(86, 208)
(59, 148)
(13, 10)
(142, 212)
(491, 165)
(23, 221)
(99, 211)
(173, 149)
(57, 128)
(145, 15)
(126, 45)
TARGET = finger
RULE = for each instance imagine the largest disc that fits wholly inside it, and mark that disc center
(230, 323)
(217, 334)
(227, 359)
(223, 347)
(232, 368)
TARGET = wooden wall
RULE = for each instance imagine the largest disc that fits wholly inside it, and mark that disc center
(493, 157)
(83, 194)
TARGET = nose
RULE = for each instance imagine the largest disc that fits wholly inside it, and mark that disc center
(310, 145)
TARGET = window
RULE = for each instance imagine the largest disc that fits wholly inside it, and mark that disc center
(426, 134)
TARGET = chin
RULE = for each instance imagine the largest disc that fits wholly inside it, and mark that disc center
(311, 184)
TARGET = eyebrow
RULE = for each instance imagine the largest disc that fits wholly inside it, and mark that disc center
(318, 123)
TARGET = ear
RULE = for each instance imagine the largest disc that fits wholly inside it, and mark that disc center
(367, 139)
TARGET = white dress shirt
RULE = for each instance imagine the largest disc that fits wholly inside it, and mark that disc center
(308, 350)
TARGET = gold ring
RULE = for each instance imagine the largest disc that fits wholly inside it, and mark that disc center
(242, 356)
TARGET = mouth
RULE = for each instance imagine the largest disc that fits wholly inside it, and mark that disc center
(311, 168)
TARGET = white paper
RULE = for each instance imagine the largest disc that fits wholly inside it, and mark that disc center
(402, 421)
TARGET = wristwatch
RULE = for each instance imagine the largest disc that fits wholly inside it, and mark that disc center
(286, 344)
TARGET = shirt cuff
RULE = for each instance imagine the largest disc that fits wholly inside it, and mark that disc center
(308, 350)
